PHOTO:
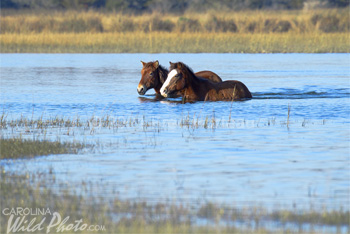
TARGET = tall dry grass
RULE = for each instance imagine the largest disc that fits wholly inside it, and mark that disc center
(162, 42)
(249, 32)
(241, 22)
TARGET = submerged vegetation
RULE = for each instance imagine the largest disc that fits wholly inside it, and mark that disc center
(116, 214)
(42, 128)
(313, 31)
(29, 137)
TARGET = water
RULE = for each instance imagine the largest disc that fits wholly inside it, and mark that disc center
(257, 158)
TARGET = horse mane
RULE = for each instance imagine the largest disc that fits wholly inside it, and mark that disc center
(163, 73)
(189, 69)
(182, 65)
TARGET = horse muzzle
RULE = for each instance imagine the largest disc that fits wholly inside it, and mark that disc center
(141, 89)
(164, 92)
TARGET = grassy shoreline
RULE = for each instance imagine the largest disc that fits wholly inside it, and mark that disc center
(118, 215)
(319, 31)
(163, 42)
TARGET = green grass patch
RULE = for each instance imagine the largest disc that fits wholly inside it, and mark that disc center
(15, 148)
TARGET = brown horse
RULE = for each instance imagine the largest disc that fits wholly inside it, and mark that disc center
(181, 79)
(154, 75)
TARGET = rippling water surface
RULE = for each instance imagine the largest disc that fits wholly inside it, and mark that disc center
(249, 153)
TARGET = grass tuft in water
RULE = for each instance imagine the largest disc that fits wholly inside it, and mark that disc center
(15, 148)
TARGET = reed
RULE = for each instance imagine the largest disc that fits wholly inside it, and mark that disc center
(334, 20)
(37, 129)
(222, 32)
(165, 42)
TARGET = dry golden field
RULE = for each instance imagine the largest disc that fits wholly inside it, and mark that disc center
(317, 31)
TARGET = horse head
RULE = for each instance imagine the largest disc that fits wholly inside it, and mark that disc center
(176, 81)
(149, 77)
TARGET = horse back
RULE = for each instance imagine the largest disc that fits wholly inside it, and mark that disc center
(231, 89)
(209, 75)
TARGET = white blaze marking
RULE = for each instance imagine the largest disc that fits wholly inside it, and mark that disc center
(171, 75)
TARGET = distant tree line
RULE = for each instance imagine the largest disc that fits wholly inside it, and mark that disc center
(165, 6)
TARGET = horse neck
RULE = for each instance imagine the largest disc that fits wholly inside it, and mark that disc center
(162, 75)
(198, 87)
(193, 86)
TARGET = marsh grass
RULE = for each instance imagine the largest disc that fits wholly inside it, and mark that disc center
(15, 148)
(165, 42)
(41, 128)
(221, 32)
(30, 137)
(118, 215)
(327, 20)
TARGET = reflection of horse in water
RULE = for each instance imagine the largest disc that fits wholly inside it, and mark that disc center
(182, 80)
(153, 76)
(158, 98)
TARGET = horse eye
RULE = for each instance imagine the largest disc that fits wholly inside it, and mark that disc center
(151, 74)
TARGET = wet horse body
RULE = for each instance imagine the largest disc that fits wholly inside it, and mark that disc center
(181, 79)
(153, 75)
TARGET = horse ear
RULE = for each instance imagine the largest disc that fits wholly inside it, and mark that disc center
(143, 63)
(171, 63)
(156, 64)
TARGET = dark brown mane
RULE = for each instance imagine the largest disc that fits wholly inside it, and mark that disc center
(163, 73)
(214, 79)
(181, 64)
(189, 70)
(194, 76)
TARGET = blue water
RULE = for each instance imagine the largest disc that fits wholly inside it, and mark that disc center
(255, 158)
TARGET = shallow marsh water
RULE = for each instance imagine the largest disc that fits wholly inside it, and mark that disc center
(249, 154)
